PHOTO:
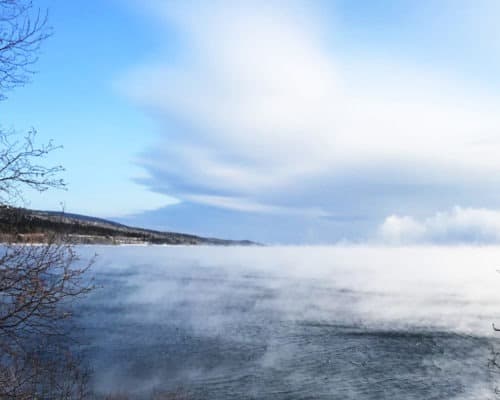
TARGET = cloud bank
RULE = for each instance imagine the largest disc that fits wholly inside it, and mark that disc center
(263, 110)
(458, 225)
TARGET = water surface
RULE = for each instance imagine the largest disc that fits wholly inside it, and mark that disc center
(294, 322)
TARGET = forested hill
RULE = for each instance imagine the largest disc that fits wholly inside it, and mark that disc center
(24, 225)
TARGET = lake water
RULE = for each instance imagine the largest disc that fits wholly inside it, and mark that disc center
(294, 322)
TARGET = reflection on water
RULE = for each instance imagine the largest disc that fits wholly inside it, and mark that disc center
(294, 323)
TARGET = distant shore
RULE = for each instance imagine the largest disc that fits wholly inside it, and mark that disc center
(19, 225)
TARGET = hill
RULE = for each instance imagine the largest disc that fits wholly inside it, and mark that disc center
(24, 225)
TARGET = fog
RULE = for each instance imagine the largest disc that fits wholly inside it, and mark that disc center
(294, 322)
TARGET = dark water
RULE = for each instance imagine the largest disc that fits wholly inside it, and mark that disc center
(274, 324)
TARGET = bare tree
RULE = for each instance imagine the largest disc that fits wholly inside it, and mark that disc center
(23, 28)
(38, 282)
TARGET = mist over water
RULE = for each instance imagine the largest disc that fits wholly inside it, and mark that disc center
(294, 322)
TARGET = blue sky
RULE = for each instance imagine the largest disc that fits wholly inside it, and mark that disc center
(278, 121)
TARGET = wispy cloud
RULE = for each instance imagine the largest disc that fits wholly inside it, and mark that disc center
(242, 204)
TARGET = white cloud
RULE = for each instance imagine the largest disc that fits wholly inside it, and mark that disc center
(268, 105)
(459, 225)
(396, 229)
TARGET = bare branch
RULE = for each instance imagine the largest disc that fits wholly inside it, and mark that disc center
(22, 30)
(21, 167)
(38, 284)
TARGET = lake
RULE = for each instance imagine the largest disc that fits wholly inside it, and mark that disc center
(340, 322)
